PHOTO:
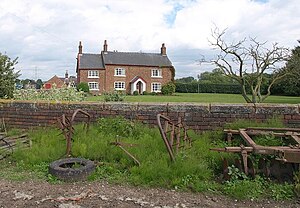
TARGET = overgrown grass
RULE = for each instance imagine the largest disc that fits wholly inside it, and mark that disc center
(200, 98)
(196, 169)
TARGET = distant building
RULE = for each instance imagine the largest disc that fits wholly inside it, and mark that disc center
(59, 82)
(126, 71)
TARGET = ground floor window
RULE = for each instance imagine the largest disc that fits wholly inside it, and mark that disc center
(119, 85)
(93, 85)
(156, 87)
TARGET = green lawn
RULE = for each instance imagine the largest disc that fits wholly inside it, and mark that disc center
(200, 98)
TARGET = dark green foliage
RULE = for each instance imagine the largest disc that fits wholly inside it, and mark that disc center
(185, 80)
(39, 84)
(290, 84)
(83, 86)
(116, 96)
(168, 89)
(145, 93)
(215, 77)
(7, 76)
(135, 92)
(195, 87)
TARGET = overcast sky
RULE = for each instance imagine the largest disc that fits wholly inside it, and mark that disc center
(44, 34)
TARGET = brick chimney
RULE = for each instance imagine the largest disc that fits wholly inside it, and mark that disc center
(80, 48)
(163, 50)
(105, 46)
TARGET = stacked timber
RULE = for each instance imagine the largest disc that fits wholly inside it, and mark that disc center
(10, 143)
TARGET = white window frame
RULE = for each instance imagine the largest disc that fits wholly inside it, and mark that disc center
(119, 85)
(156, 89)
(93, 74)
(156, 73)
(93, 86)
(120, 72)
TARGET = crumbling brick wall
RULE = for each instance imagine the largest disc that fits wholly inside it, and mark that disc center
(26, 114)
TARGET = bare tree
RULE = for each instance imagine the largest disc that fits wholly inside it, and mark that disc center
(247, 60)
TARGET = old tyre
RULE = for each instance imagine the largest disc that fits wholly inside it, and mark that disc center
(71, 169)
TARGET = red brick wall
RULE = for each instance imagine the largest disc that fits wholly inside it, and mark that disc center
(83, 74)
(196, 116)
(132, 71)
(55, 80)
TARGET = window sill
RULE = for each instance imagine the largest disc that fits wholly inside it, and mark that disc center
(120, 75)
(94, 89)
(120, 89)
(92, 77)
(156, 77)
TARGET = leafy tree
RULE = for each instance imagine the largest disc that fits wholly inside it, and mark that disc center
(185, 80)
(7, 76)
(290, 84)
(39, 84)
(215, 77)
(247, 61)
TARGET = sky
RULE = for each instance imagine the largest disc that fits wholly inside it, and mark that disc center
(44, 34)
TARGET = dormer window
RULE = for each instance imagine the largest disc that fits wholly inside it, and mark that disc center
(120, 72)
(156, 73)
(93, 74)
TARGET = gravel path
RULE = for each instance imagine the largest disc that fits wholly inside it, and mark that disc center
(101, 194)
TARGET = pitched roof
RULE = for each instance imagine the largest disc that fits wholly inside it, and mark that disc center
(137, 78)
(95, 61)
(90, 61)
(137, 59)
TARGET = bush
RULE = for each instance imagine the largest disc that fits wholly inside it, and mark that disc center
(115, 96)
(135, 92)
(145, 93)
(57, 94)
(83, 86)
(168, 89)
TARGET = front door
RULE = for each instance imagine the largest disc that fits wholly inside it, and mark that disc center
(139, 87)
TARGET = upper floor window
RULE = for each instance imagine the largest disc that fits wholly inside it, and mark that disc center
(156, 87)
(156, 73)
(119, 85)
(93, 85)
(93, 74)
(119, 72)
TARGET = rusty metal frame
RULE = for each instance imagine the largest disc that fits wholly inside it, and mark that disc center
(285, 154)
(67, 128)
(122, 146)
(174, 135)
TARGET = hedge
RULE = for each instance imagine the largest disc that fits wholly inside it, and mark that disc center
(195, 87)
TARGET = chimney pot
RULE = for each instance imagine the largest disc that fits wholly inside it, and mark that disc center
(80, 48)
(105, 46)
(163, 50)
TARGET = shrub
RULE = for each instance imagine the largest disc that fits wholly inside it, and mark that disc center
(168, 89)
(57, 94)
(145, 93)
(83, 86)
(135, 92)
(115, 96)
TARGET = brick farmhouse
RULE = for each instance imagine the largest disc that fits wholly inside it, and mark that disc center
(59, 82)
(125, 71)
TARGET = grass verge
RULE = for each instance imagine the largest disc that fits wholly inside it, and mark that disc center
(196, 169)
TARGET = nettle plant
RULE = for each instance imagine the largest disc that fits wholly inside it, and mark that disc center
(57, 94)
